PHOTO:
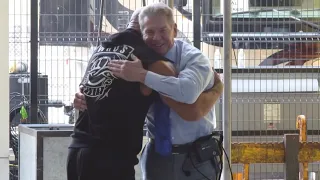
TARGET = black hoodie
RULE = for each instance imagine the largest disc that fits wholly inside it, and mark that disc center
(116, 109)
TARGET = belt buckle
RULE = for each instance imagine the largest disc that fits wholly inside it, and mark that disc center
(175, 146)
(172, 151)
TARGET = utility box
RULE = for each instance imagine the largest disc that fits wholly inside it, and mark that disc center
(43, 151)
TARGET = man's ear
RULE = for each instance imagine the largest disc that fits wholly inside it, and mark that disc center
(175, 30)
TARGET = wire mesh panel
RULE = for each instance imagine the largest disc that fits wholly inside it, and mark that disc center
(275, 61)
(19, 37)
(66, 37)
(64, 47)
(275, 76)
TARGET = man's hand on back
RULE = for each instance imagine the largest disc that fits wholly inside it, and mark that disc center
(132, 71)
(79, 101)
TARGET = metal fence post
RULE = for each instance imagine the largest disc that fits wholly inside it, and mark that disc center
(170, 3)
(301, 124)
(196, 20)
(34, 62)
(226, 115)
(291, 152)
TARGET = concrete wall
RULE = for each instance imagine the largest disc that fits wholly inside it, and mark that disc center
(4, 90)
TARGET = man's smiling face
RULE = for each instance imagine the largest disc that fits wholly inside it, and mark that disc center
(158, 33)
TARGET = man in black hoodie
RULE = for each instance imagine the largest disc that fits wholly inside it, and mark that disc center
(108, 133)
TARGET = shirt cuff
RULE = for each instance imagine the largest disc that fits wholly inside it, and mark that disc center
(152, 79)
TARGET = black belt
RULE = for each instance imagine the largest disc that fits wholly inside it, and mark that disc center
(177, 148)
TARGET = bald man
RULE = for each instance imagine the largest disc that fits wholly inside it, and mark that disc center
(108, 133)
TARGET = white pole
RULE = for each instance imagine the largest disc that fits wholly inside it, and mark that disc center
(170, 3)
(4, 91)
(226, 115)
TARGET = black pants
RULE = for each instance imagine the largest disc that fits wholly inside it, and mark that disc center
(96, 164)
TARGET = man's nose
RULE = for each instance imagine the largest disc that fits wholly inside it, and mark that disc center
(156, 36)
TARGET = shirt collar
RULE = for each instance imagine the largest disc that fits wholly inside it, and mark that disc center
(171, 54)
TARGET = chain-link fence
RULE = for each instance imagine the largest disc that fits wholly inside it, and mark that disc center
(275, 61)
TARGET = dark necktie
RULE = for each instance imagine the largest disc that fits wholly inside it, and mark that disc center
(163, 144)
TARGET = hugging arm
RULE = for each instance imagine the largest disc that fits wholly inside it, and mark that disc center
(203, 104)
(189, 112)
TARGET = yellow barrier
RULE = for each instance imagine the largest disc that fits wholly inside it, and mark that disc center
(250, 153)
(301, 124)
(237, 176)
